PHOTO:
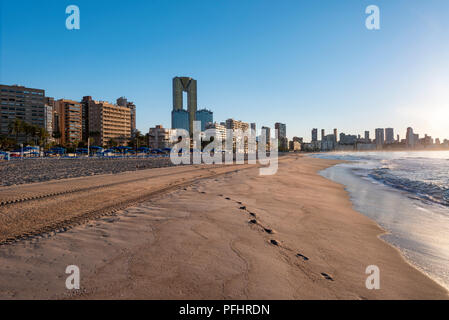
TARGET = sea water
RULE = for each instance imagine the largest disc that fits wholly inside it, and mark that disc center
(407, 194)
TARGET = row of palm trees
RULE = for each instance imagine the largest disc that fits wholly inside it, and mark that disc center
(33, 133)
(39, 136)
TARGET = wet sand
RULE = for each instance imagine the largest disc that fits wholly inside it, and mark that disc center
(293, 235)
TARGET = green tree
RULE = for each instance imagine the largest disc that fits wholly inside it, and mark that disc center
(16, 127)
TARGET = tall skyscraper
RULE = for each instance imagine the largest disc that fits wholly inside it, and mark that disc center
(314, 134)
(49, 116)
(366, 136)
(323, 134)
(181, 85)
(410, 138)
(85, 119)
(204, 116)
(335, 135)
(180, 119)
(380, 136)
(267, 132)
(281, 134)
(281, 129)
(26, 104)
(389, 135)
(253, 126)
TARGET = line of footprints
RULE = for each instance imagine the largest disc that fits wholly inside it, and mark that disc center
(274, 242)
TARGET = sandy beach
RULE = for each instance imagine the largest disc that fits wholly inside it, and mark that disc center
(198, 232)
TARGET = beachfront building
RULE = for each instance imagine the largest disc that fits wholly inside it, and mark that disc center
(314, 134)
(232, 124)
(160, 137)
(367, 139)
(123, 102)
(281, 134)
(205, 117)
(69, 117)
(380, 137)
(49, 116)
(410, 138)
(109, 123)
(220, 130)
(347, 139)
(389, 135)
(18, 102)
(328, 143)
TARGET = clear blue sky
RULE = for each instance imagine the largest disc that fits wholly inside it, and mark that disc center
(306, 63)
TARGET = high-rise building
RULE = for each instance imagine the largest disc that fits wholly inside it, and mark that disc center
(323, 134)
(314, 134)
(281, 130)
(220, 130)
(109, 122)
(181, 85)
(335, 135)
(49, 116)
(389, 135)
(160, 137)
(367, 136)
(267, 132)
(85, 119)
(253, 126)
(281, 134)
(232, 124)
(123, 102)
(410, 138)
(347, 139)
(70, 121)
(18, 102)
(180, 119)
(204, 116)
(380, 136)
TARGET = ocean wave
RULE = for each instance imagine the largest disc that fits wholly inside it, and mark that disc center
(426, 191)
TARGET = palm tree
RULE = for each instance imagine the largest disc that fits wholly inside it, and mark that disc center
(16, 127)
(43, 136)
(6, 143)
(27, 129)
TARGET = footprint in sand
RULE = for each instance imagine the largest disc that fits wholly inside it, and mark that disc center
(326, 276)
(299, 255)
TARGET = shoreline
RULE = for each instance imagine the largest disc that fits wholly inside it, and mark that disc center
(404, 217)
(293, 235)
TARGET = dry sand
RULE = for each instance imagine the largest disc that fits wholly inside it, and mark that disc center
(202, 243)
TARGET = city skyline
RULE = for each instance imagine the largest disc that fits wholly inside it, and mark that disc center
(370, 79)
